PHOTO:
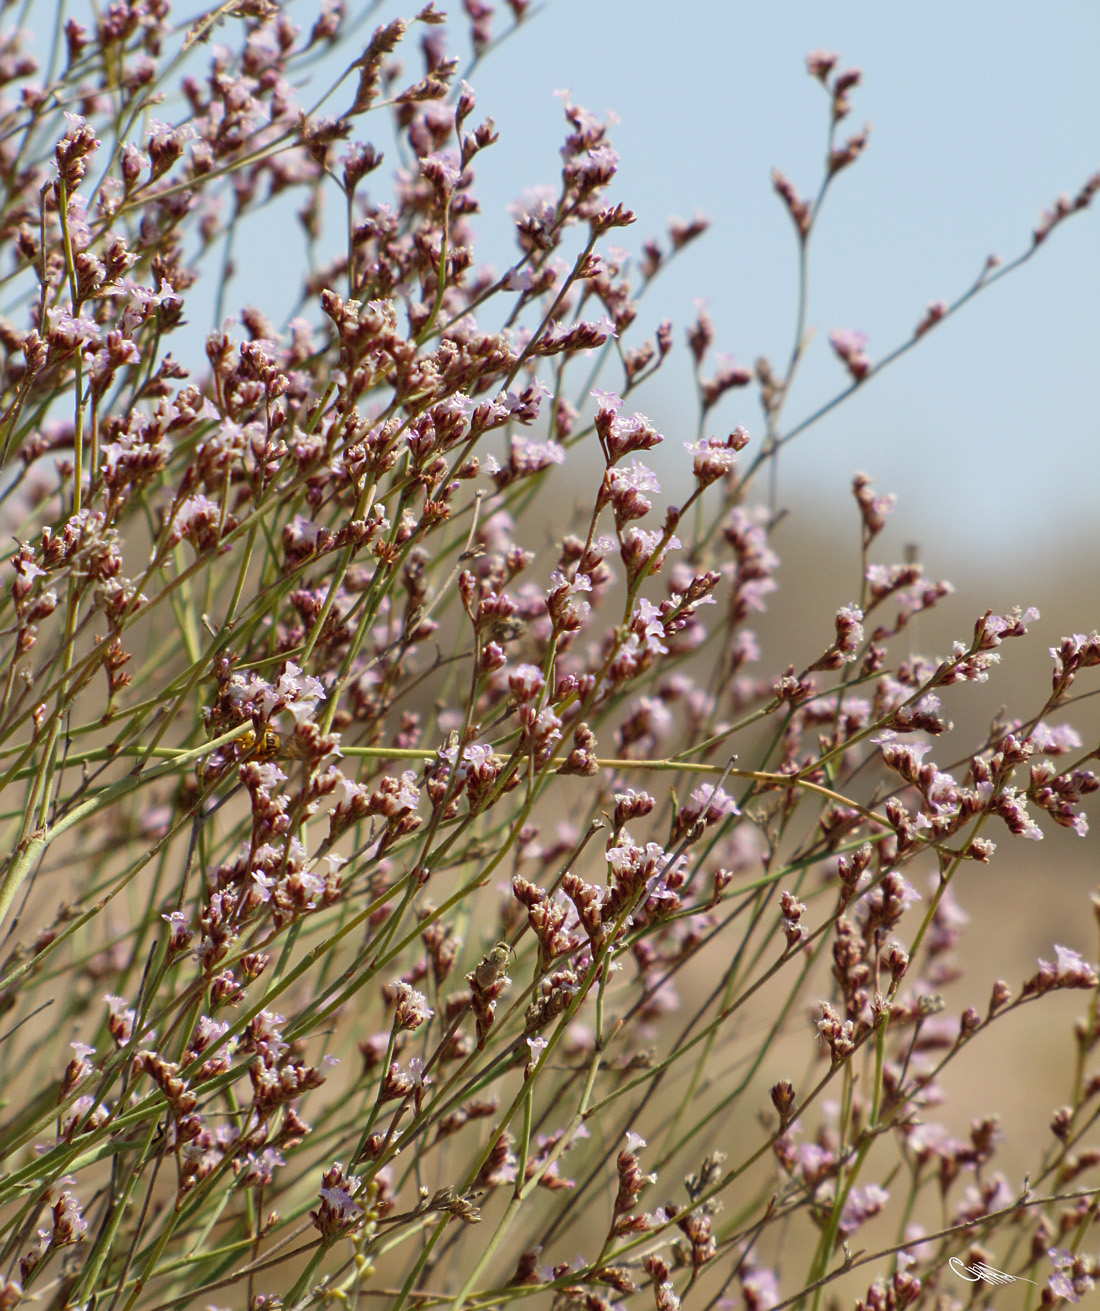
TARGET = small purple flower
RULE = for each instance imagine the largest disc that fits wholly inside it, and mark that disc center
(412, 1007)
(608, 401)
(860, 1206)
(849, 346)
(1056, 740)
(519, 279)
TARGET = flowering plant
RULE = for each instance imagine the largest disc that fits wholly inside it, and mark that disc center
(357, 850)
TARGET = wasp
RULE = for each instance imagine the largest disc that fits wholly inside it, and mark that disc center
(266, 747)
(270, 746)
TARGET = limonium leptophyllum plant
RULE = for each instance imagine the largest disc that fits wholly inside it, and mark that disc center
(407, 895)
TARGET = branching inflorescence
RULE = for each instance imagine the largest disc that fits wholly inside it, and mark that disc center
(339, 849)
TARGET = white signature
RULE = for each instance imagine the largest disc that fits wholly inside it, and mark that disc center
(973, 1273)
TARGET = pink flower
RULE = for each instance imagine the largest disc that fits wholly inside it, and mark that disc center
(412, 1007)
(860, 1206)
(849, 346)
(640, 547)
(713, 459)
(608, 401)
(1055, 741)
(295, 692)
(820, 63)
(518, 280)
(621, 435)
(638, 478)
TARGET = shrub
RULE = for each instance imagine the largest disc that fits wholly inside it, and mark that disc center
(360, 837)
